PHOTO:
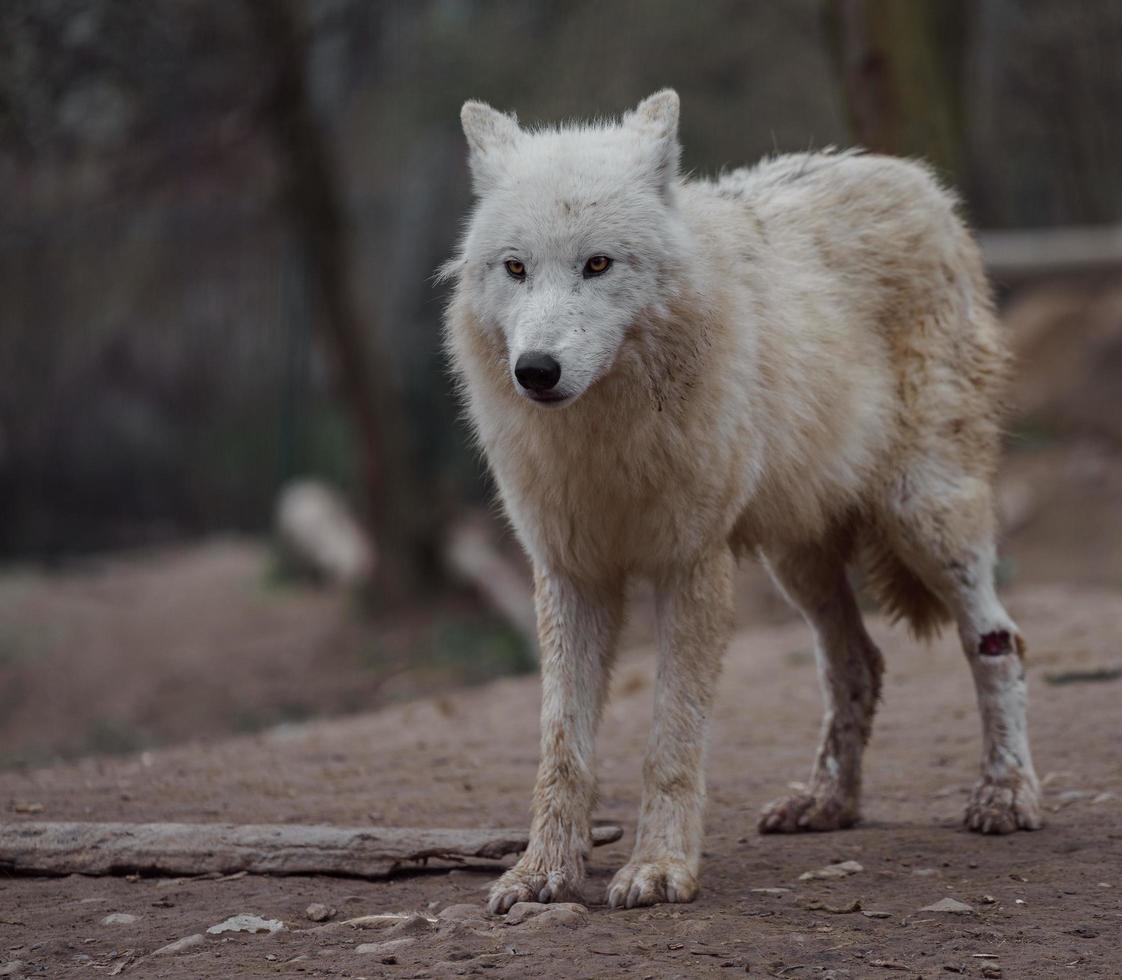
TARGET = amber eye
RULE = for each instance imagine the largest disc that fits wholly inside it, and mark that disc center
(515, 268)
(597, 265)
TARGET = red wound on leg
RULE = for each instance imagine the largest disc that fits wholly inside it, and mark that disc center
(995, 644)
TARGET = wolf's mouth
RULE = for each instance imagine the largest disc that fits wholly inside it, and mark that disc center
(551, 398)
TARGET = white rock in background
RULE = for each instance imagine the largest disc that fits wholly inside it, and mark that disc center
(246, 923)
(318, 529)
(119, 919)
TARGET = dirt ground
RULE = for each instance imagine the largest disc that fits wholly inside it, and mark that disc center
(200, 641)
(1045, 904)
(137, 651)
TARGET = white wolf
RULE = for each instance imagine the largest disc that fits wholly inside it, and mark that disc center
(799, 360)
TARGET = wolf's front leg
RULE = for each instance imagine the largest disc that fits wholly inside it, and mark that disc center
(694, 622)
(578, 628)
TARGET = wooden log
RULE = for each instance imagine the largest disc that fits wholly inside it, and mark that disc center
(1033, 253)
(276, 849)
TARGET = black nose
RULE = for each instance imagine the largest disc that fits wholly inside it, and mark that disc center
(538, 372)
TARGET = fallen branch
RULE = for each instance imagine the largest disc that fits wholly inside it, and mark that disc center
(278, 849)
(471, 556)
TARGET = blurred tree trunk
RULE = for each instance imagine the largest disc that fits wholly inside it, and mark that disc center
(901, 65)
(404, 540)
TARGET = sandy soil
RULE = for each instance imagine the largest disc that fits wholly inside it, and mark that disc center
(1044, 905)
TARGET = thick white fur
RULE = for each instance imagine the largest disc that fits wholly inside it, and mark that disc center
(800, 360)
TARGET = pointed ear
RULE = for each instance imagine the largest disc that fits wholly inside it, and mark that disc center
(489, 133)
(655, 120)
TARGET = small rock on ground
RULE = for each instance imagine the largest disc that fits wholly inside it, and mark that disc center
(318, 912)
(560, 913)
(415, 925)
(119, 919)
(462, 913)
(384, 949)
(246, 923)
(842, 870)
(948, 905)
(187, 942)
(12, 968)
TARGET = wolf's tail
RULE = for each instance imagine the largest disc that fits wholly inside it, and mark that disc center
(898, 590)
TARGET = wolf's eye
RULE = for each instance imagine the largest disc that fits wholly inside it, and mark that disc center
(596, 266)
(515, 268)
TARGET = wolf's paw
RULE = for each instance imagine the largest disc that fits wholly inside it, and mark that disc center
(531, 884)
(803, 810)
(647, 883)
(1002, 807)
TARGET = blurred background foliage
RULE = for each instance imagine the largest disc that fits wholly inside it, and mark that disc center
(160, 376)
(219, 220)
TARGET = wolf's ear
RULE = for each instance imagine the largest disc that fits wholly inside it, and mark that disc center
(655, 119)
(489, 132)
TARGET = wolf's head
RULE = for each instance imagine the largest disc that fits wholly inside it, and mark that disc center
(572, 238)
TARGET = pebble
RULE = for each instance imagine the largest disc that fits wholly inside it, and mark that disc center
(119, 919)
(539, 916)
(816, 906)
(770, 891)
(521, 911)
(870, 914)
(246, 923)
(465, 912)
(378, 921)
(1072, 795)
(415, 925)
(842, 870)
(187, 942)
(318, 912)
(384, 949)
(948, 905)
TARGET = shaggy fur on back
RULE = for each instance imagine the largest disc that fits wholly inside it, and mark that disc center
(798, 360)
(827, 322)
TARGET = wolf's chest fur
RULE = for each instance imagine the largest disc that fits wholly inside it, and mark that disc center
(613, 484)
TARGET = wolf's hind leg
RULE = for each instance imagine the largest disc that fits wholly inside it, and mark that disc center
(578, 629)
(694, 621)
(850, 668)
(947, 537)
